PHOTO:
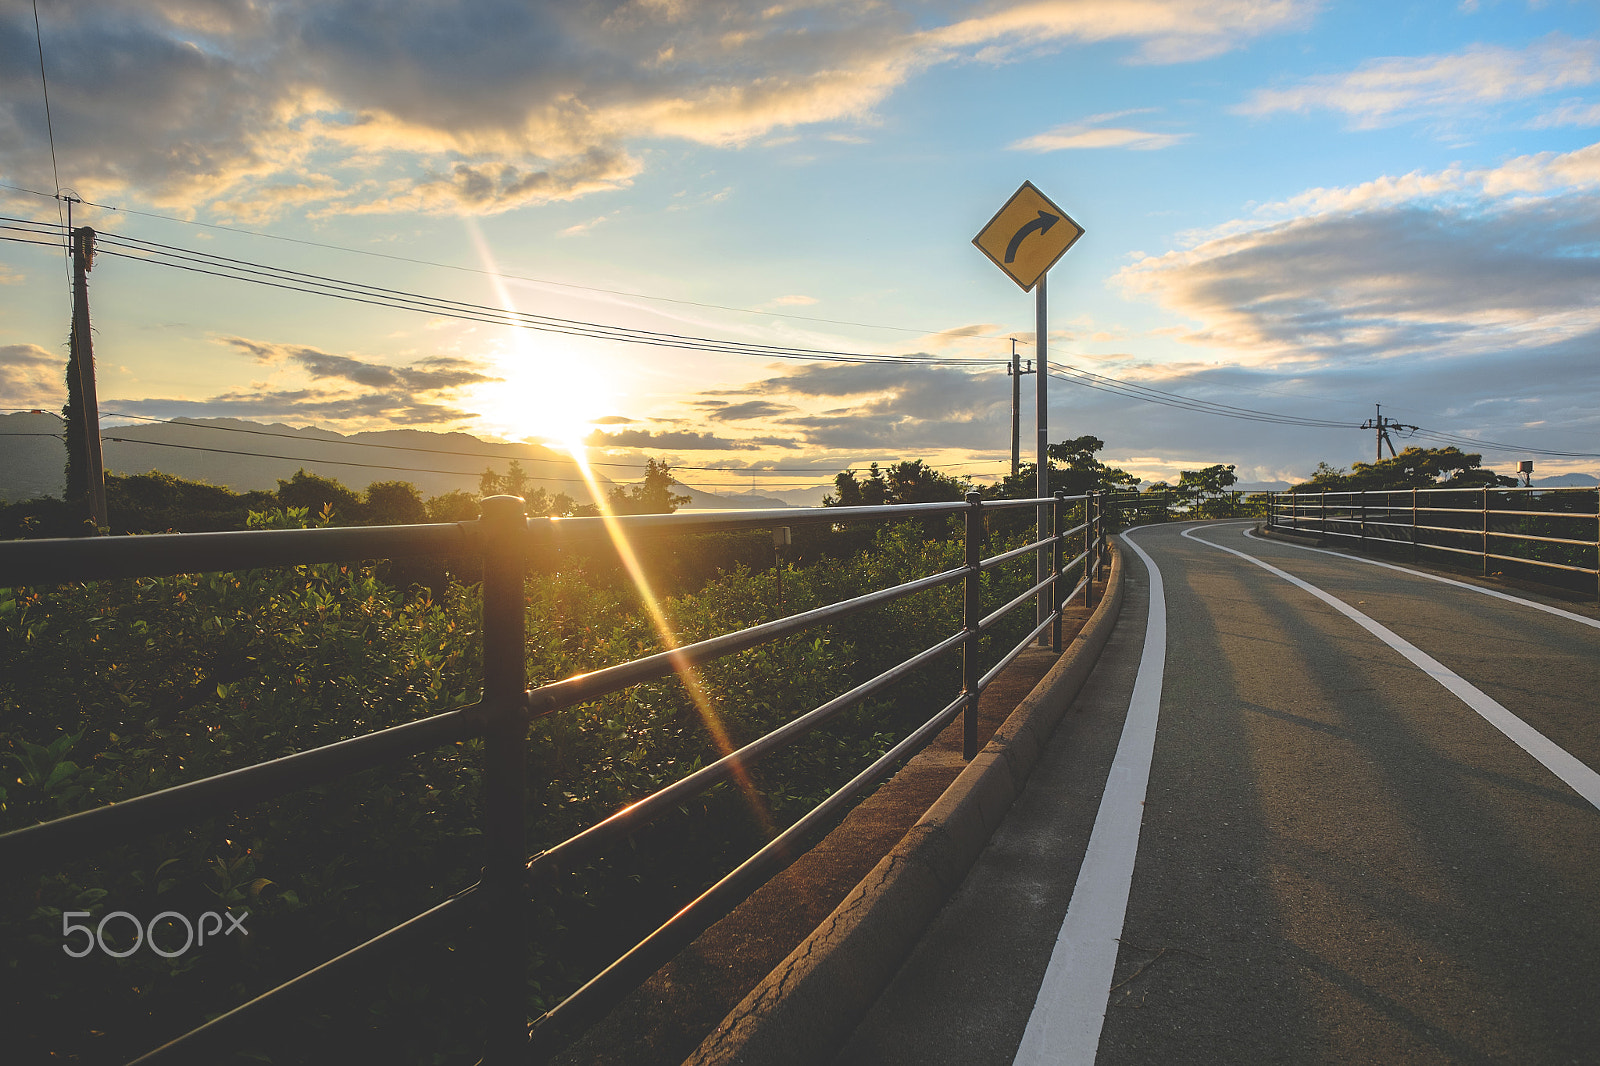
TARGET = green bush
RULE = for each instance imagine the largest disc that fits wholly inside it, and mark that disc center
(114, 689)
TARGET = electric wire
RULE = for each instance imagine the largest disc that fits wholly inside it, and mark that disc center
(50, 131)
(518, 277)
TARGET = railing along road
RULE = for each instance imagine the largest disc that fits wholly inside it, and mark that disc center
(505, 539)
(1550, 529)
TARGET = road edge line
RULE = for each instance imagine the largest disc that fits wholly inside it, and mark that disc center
(808, 1006)
(1069, 1010)
(1496, 593)
(1574, 772)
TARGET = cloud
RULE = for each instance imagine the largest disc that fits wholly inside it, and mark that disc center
(670, 439)
(793, 301)
(722, 411)
(31, 376)
(1464, 300)
(1092, 133)
(329, 387)
(1170, 32)
(1386, 91)
(244, 111)
(377, 409)
(1572, 113)
(893, 408)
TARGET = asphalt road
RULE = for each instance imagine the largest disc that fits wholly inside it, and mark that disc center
(1338, 857)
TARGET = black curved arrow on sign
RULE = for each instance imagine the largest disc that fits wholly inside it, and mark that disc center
(1042, 224)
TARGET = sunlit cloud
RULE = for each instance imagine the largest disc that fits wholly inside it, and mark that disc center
(31, 376)
(1385, 91)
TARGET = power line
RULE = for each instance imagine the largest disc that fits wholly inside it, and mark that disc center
(357, 292)
(1478, 442)
(514, 277)
(1148, 394)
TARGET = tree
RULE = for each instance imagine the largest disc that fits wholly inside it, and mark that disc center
(317, 494)
(1414, 468)
(909, 481)
(653, 495)
(1079, 474)
(1198, 487)
(454, 506)
(514, 482)
(394, 503)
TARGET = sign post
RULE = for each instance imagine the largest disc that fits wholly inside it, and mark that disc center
(1024, 239)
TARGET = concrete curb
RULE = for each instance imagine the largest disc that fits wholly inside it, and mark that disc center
(806, 1008)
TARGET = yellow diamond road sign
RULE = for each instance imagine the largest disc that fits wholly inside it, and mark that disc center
(1027, 236)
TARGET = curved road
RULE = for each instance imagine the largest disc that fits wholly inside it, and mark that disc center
(1307, 809)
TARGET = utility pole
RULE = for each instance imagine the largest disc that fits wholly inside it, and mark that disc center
(1383, 426)
(1015, 371)
(83, 422)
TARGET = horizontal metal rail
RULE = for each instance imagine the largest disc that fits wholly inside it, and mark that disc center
(1021, 646)
(630, 819)
(56, 561)
(1540, 562)
(590, 1001)
(994, 616)
(1015, 553)
(196, 800)
(584, 687)
(205, 1038)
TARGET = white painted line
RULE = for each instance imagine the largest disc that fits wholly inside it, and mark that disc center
(1497, 594)
(1584, 781)
(1070, 1010)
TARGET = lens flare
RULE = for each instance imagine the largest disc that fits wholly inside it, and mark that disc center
(692, 682)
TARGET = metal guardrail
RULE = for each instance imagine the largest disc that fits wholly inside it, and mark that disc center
(1480, 523)
(505, 540)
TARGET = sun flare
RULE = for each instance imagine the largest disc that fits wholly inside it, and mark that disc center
(545, 388)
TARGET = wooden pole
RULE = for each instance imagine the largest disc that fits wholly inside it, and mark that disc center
(83, 359)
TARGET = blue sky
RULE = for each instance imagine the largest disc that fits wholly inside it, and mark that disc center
(1293, 207)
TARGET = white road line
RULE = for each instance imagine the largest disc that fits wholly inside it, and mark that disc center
(1070, 1010)
(1546, 608)
(1584, 781)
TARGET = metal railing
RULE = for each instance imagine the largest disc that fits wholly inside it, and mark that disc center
(505, 540)
(1167, 505)
(1530, 527)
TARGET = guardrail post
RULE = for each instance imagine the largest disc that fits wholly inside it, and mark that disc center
(1361, 502)
(971, 613)
(1091, 544)
(1486, 531)
(1055, 566)
(504, 927)
(1414, 531)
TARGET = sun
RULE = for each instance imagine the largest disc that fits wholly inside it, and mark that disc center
(543, 391)
(545, 387)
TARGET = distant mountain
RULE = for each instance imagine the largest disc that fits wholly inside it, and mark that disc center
(1260, 486)
(701, 500)
(33, 458)
(245, 455)
(1566, 481)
